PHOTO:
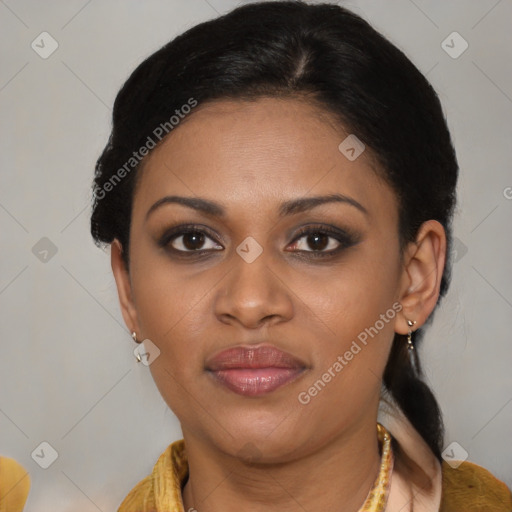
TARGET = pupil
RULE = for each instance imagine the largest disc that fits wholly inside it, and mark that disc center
(193, 240)
(313, 241)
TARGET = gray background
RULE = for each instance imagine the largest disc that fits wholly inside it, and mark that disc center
(67, 372)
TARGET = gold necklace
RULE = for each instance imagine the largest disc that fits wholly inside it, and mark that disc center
(378, 495)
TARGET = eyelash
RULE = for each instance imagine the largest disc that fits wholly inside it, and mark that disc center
(344, 238)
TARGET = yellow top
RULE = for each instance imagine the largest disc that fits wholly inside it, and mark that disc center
(469, 488)
(14, 485)
(472, 488)
(161, 491)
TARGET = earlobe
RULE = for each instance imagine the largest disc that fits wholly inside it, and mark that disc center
(421, 279)
(124, 288)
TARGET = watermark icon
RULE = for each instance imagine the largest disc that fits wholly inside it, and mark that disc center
(249, 249)
(146, 352)
(351, 147)
(507, 192)
(44, 45)
(454, 45)
(45, 455)
(304, 397)
(249, 453)
(459, 250)
(454, 454)
(137, 156)
(44, 250)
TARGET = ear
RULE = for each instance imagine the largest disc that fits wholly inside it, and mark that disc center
(124, 288)
(424, 262)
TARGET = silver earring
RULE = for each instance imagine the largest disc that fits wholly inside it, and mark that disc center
(137, 355)
(410, 345)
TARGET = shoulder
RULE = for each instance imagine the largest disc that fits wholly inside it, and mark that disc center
(141, 495)
(470, 487)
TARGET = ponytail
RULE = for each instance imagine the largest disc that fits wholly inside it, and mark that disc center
(412, 394)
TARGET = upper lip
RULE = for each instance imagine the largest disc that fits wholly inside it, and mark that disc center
(261, 356)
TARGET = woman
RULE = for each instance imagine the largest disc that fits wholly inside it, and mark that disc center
(278, 190)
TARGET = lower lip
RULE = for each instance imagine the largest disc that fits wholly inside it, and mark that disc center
(255, 381)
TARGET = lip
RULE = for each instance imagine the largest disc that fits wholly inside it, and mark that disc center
(255, 370)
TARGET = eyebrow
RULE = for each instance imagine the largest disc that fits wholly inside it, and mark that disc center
(290, 207)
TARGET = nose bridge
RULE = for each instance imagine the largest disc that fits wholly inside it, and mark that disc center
(252, 277)
(251, 290)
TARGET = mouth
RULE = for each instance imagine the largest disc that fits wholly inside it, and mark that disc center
(254, 371)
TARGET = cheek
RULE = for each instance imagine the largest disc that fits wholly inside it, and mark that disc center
(175, 312)
(345, 382)
(350, 297)
(169, 298)
(357, 308)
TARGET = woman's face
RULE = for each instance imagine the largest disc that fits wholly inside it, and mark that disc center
(249, 277)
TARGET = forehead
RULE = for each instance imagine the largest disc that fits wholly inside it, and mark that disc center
(252, 153)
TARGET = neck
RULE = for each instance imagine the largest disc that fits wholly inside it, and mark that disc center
(337, 476)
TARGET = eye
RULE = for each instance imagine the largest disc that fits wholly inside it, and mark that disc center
(317, 241)
(189, 239)
(323, 240)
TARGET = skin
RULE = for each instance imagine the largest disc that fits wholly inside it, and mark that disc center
(250, 157)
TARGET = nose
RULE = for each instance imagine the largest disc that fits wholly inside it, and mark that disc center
(253, 293)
